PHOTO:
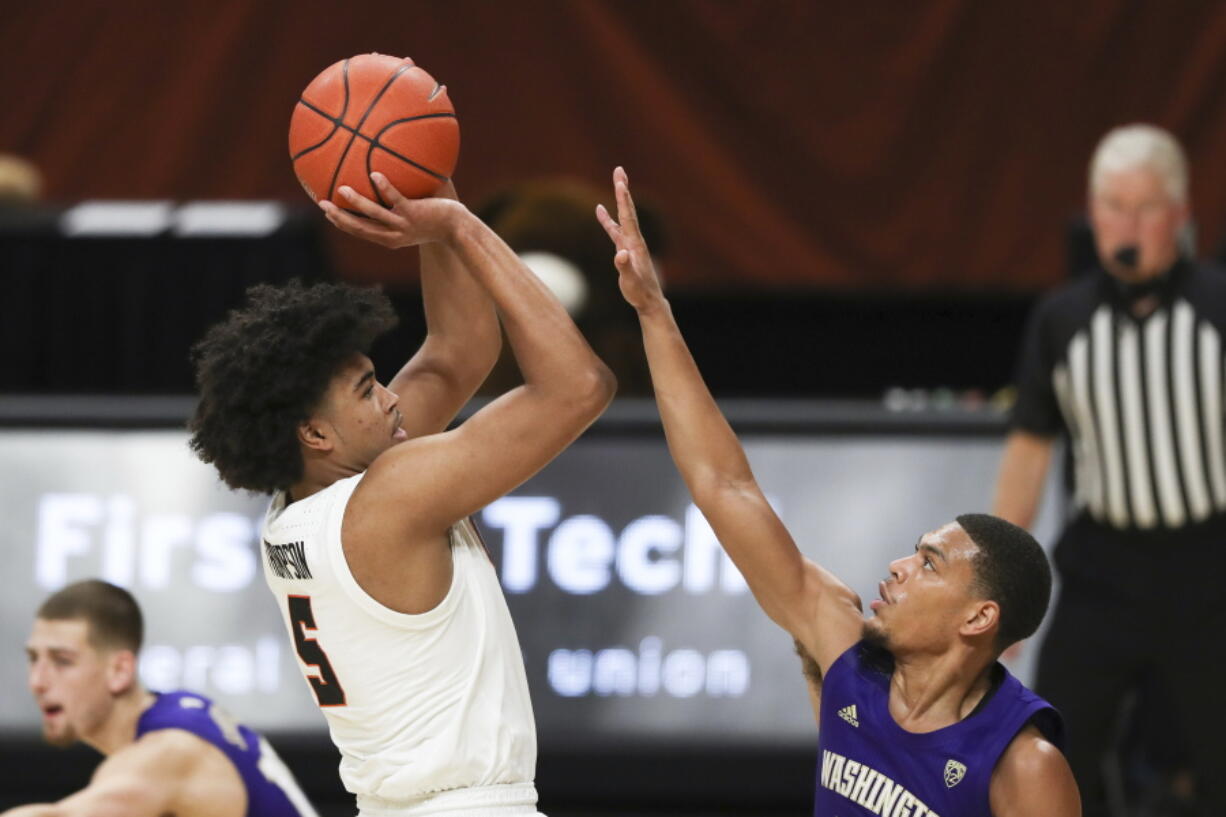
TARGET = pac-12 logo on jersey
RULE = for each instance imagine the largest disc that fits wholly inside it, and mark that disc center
(954, 772)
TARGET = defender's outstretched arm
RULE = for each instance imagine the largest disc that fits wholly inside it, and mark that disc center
(808, 601)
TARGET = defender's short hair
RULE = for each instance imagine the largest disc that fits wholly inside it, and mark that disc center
(114, 617)
(1135, 146)
(265, 369)
(1012, 570)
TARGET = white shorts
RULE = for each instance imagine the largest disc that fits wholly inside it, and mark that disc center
(506, 800)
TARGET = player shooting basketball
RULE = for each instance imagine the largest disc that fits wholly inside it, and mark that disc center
(916, 715)
(387, 592)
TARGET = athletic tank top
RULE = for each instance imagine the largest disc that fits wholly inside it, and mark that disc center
(418, 705)
(868, 764)
(271, 789)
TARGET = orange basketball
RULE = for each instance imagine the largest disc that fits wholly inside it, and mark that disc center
(373, 112)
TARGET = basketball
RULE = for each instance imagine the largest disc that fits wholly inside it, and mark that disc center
(373, 112)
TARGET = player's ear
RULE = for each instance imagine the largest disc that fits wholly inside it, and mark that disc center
(121, 671)
(983, 617)
(315, 434)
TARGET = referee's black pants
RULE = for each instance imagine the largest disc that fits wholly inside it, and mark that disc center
(1133, 605)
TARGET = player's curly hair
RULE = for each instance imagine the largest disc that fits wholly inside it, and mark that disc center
(265, 368)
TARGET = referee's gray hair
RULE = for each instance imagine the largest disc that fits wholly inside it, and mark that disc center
(1135, 146)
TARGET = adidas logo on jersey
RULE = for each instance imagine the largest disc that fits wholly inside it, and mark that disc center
(848, 713)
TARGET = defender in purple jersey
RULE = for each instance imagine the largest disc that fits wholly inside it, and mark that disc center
(917, 718)
(173, 753)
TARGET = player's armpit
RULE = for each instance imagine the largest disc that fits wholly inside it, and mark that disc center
(832, 621)
(808, 666)
(813, 679)
(1033, 779)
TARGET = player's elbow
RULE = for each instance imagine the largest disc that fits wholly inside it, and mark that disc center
(482, 354)
(582, 397)
(573, 400)
(594, 388)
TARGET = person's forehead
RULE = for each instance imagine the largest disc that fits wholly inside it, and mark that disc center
(1140, 179)
(345, 378)
(65, 633)
(952, 541)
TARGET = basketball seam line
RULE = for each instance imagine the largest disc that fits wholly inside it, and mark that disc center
(338, 122)
(375, 143)
(336, 171)
(395, 75)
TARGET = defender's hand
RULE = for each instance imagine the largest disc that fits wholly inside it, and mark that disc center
(637, 277)
(404, 223)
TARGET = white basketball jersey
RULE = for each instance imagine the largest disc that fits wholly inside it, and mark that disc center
(417, 704)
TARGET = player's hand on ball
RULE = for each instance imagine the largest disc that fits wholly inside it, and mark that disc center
(636, 273)
(403, 223)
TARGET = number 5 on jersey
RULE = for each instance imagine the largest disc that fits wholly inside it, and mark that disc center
(327, 688)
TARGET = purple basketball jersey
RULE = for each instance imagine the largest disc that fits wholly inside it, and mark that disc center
(869, 765)
(271, 789)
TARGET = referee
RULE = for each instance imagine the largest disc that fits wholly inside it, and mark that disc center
(1127, 360)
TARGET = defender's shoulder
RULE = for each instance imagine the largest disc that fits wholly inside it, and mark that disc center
(172, 742)
(1029, 753)
(1033, 777)
(162, 754)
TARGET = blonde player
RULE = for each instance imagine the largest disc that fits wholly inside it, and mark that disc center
(166, 752)
(388, 595)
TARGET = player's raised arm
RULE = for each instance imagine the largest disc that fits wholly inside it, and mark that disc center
(803, 598)
(430, 483)
(462, 335)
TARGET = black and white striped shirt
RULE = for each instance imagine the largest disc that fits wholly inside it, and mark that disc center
(1141, 397)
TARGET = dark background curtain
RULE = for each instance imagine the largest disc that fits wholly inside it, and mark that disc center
(856, 146)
